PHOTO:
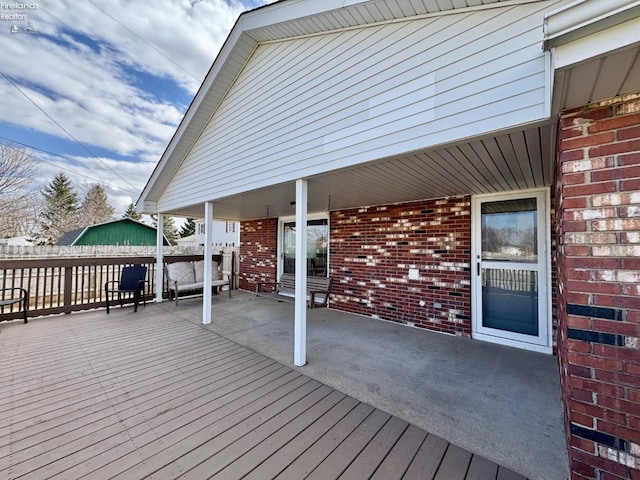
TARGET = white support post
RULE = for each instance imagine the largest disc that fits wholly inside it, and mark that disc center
(208, 252)
(160, 258)
(300, 323)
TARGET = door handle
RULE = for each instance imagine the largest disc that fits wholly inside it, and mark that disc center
(478, 269)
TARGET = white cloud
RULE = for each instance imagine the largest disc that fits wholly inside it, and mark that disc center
(78, 69)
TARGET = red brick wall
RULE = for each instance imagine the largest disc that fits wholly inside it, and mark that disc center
(554, 275)
(258, 252)
(373, 248)
(598, 242)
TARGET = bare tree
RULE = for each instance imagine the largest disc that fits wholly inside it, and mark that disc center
(95, 207)
(18, 205)
(17, 168)
(19, 214)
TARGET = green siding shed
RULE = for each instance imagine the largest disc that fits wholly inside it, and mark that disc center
(124, 231)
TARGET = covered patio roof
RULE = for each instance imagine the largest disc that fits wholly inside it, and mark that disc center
(280, 20)
(594, 56)
(510, 161)
(514, 159)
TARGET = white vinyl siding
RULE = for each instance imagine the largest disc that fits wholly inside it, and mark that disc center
(324, 102)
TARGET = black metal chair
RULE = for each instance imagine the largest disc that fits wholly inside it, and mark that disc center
(22, 297)
(132, 280)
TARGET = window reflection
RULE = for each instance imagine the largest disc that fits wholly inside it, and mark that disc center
(510, 231)
(317, 245)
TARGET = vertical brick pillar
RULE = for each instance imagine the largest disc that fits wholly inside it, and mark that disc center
(598, 257)
(258, 252)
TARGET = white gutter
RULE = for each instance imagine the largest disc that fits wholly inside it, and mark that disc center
(585, 17)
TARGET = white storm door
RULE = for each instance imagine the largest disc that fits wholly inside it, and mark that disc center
(509, 269)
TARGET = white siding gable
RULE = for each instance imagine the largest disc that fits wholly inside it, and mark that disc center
(324, 102)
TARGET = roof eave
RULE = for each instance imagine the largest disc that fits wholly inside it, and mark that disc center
(582, 18)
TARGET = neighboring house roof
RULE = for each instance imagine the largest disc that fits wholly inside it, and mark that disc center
(124, 231)
(22, 240)
(189, 241)
(69, 238)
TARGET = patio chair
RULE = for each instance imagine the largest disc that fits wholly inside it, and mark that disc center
(18, 295)
(132, 280)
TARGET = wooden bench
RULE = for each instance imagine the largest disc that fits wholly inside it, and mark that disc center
(284, 290)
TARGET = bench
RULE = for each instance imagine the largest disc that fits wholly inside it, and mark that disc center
(18, 295)
(189, 277)
(284, 290)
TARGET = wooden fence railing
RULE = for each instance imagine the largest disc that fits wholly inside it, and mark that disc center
(65, 285)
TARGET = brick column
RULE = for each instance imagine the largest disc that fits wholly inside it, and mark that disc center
(598, 257)
(258, 252)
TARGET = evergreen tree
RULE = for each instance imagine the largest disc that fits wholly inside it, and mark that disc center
(60, 212)
(188, 228)
(95, 206)
(169, 229)
(132, 214)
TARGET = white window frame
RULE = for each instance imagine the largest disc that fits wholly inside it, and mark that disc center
(292, 218)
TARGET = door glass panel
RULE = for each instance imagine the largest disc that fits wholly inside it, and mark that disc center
(317, 242)
(510, 231)
(510, 300)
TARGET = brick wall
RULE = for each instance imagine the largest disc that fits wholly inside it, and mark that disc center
(373, 248)
(598, 242)
(258, 252)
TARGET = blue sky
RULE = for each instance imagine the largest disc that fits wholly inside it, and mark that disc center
(98, 87)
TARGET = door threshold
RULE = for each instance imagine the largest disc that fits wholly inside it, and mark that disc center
(513, 343)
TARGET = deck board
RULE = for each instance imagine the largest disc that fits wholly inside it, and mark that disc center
(149, 393)
(454, 465)
(428, 459)
(154, 395)
(113, 421)
(481, 468)
(262, 450)
(396, 463)
(341, 458)
(281, 459)
(331, 440)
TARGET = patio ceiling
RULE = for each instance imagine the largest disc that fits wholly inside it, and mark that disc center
(521, 159)
(607, 76)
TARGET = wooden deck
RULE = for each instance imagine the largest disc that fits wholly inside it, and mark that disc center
(149, 395)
